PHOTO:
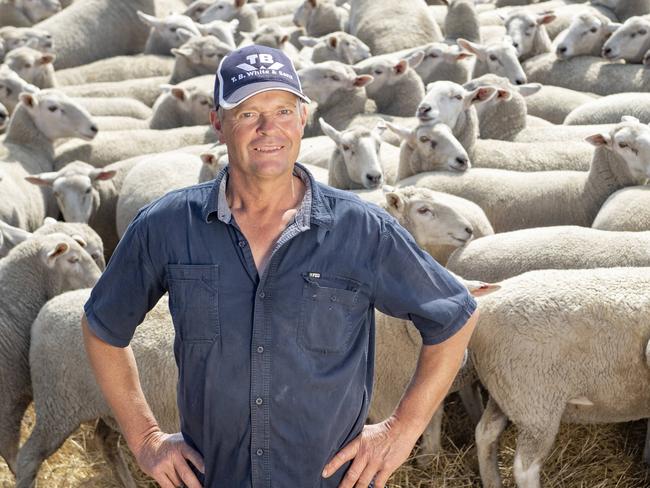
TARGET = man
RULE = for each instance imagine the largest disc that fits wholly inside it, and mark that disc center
(272, 282)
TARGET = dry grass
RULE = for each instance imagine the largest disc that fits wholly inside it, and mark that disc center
(603, 456)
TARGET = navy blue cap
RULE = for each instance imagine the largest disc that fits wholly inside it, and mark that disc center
(251, 70)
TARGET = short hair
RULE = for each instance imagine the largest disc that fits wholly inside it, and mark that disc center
(220, 110)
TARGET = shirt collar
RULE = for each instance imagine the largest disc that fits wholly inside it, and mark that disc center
(320, 213)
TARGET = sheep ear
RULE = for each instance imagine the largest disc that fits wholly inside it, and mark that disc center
(546, 18)
(102, 174)
(401, 132)
(414, 59)
(150, 20)
(308, 41)
(13, 235)
(362, 80)
(42, 179)
(313, 3)
(504, 94)
(79, 240)
(394, 201)
(330, 131)
(185, 35)
(400, 67)
(332, 41)
(481, 94)
(240, 3)
(477, 49)
(59, 250)
(29, 100)
(529, 89)
(284, 38)
(480, 289)
(463, 55)
(612, 27)
(47, 59)
(234, 24)
(179, 93)
(184, 52)
(209, 159)
(630, 118)
(599, 140)
(49, 220)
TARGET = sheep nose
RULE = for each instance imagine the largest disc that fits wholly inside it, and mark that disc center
(462, 161)
(93, 128)
(424, 109)
(374, 179)
(607, 51)
(516, 44)
(3, 115)
(561, 49)
(469, 230)
(520, 81)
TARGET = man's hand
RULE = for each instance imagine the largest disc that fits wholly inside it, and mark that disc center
(164, 457)
(377, 452)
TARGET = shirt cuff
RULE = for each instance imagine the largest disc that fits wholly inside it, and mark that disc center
(467, 308)
(100, 330)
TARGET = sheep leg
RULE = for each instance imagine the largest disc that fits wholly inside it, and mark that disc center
(646, 448)
(533, 445)
(108, 438)
(10, 431)
(430, 441)
(41, 444)
(489, 429)
(472, 400)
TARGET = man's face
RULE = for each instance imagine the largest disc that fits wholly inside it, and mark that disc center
(263, 133)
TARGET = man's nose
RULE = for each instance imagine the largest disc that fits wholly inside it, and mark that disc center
(265, 123)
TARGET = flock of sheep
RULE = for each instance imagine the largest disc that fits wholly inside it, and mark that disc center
(511, 141)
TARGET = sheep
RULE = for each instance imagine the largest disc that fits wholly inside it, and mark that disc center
(498, 57)
(516, 200)
(32, 66)
(11, 85)
(630, 41)
(396, 88)
(117, 68)
(528, 33)
(37, 122)
(554, 103)
(22, 13)
(445, 62)
(277, 37)
(224, 31)
(13, 37)
(381, 25)
(87, 238)
(77, 398)
(461, 21)
(232, 9)
(198, 56)
(625, 210)
(321, 17)
(610, 109)
(337, 90)
(355, 162)
(32, 273)
(167, 33)
(182, 106)
(588, 74)
(421, 210)
(336, 46)
(557, 247)
(277, 8)
(624, 9)
(585, 36)
(575, 350)
(113, 146)
(196, 8)
(145, 90)
(113, 106)
(105, 28)
(4, 118)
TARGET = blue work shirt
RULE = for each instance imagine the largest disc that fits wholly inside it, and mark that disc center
(275, 371)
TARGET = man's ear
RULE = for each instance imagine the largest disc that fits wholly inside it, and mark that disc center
(216, 125)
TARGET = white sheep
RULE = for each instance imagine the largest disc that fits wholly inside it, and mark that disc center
(336, 46)
(145, 90)
(630, 41)
(587, 73)
(461, 22)
(24, 13)
(198, 56)
(87, 238)
(445, 62)
(338, 92)
(498, 57)
(611, 108)
(585, 36)
(37, 122)
(516, 200)
(625, 210)
(556, 346)
(117, 68)
(528, 33)
(382, 24)
(321, 17)
(196, 8)
(168, 32)
(180, 105)
(13, 37)
(556, 247)
(228, 10)
(33, 272)
(624, 9)
(222, 30)
(554, 103)
(113, 106)
(32, 66)
(11, 85)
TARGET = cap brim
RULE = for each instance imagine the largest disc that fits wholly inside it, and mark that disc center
(245, 92)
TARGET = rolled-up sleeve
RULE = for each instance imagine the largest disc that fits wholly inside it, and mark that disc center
(410, 284)
(130, 286)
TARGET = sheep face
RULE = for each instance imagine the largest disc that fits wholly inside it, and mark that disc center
(26, 36)
(57, 115)
(224, 31)
(30, 64)
(69, 266)
(500, 58)
(437, 55)
(270, 35)
(631, 141)
(320, 81)
(387, 72)
(195, 9)
(437, 145)
(194, 102)
(82, 233)
(203, 53)
(446, 100)
(431, 222)
(585, 35)
(174, 30)
(630, 41)
(523, 27)
(11, 85)
(349, 49)
(37, 10)
(221, 10)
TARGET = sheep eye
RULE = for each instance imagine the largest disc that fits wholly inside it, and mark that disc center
(493, 57)
(73, 259)
(52, 108)
(211, 55)
(458, 97)
(433, 55)
(95, 256)
(87, 191)
(633, 35)
(423, 210)
(531, 26)
(173, 29)
(336, 78)
(622, 145)
(378, 71)
(643, 32)
(593, 29)
(203, 102)
(27, 66)
(346, 147)
(424, 139)
(57, 194)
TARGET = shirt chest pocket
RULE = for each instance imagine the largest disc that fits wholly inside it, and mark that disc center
(330, 313)
(194, 300)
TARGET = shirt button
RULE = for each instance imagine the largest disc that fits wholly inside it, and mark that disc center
(260, 349)
(258, 401)
(262, 294)
(242, 243)
(259, 452)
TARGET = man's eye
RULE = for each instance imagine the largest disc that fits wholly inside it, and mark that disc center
(285, 111)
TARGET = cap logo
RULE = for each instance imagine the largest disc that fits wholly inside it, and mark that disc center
(263, 59)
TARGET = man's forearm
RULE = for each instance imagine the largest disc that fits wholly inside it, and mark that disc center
(435, 372)
(117, 375)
